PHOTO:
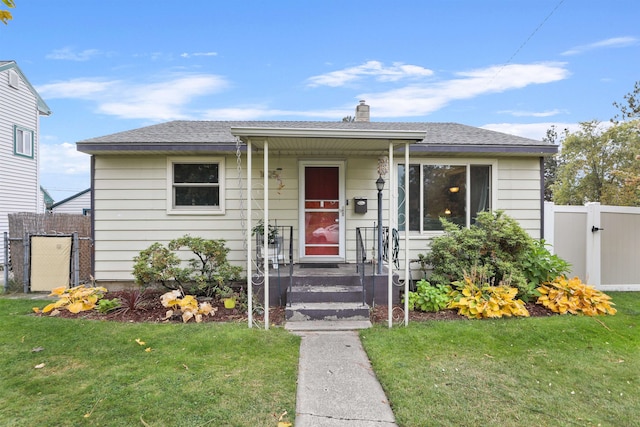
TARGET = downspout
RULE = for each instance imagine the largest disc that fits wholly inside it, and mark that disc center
(390, 240)
(248, 237)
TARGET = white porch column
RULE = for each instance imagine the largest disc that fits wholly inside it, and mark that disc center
(248, 237)
(407, 261)
(265, 234)
(390, 238)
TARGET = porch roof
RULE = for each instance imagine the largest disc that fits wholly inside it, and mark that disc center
(218, 136)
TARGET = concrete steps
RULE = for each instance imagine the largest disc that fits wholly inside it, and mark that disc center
(326, 299)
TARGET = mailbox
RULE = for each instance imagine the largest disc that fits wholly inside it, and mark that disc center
(360, 205)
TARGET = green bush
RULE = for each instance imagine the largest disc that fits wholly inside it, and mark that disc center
(203, 275)
(498, 246)
(429, 297)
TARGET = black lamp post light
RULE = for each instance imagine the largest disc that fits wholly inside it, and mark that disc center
(380, 187)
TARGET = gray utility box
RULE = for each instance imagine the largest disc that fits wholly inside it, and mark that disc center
(360, 205)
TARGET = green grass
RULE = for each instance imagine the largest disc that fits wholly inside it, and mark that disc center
(554, 371)
(95, 373)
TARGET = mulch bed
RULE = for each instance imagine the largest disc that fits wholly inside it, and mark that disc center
(149, 309)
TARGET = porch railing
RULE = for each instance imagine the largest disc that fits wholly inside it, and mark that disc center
(279, 253)
(361, 258)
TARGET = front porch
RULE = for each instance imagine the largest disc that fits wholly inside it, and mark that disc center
(285, 283)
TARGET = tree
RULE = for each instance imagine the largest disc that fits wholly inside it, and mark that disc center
(550, 164)
(349, 119)
(597, 164)
(5, 15)
(631, 109)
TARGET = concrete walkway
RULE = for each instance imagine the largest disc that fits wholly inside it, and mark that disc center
(336, 385)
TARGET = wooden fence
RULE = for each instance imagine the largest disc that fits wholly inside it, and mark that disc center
(32, 224)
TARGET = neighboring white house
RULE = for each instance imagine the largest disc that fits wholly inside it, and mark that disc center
(20, 111)
(79, 203)
(160, 182)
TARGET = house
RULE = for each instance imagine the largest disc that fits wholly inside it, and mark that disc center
(79, 203)
(47, 200)
(20, 111)
(207, 178)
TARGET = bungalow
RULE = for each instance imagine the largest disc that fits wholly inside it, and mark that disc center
(324, 182)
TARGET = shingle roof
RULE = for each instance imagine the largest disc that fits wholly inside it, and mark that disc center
(439, 136)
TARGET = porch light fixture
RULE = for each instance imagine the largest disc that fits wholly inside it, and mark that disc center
(380, 187)
(454, 189)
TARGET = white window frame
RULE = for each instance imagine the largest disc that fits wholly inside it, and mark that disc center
(195, 210)
(493, 163)
(23, 141)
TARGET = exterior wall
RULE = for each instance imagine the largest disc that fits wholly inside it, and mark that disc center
(19, 186)
(74, 205)
(131, 206)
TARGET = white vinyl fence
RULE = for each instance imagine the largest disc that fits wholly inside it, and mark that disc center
(601, 242)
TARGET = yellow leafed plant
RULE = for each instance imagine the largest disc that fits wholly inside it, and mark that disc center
(564, 295)
(476, 298)
(187, 307)
(75, 300)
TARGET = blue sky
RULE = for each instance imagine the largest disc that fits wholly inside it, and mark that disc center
(516, 66)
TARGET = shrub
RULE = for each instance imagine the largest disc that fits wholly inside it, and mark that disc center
(204, 274)
(429, 297)
(497, 244)
(540, 265)
(564, 295)
(476, 298)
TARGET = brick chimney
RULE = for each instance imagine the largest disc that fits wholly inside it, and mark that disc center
(362, 112)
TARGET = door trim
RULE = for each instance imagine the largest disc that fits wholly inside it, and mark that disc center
(341, 164)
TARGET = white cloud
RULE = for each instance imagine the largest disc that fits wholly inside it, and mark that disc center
(422, 99)
(164, 100)
(519, 113)
(535, 131)
(607, 43)
(63, 159)
(189, 55)
(69, 54)
(76, 88)
(376, 69)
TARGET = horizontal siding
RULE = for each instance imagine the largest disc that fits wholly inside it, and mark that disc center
(131, 198)
(19, 188)
(519, 192)
(77, 205)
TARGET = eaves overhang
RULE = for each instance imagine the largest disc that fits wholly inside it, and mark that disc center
(538, 150)
(153, 148)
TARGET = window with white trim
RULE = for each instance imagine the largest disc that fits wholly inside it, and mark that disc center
(22, 141)
(453, 191)
(196, 185)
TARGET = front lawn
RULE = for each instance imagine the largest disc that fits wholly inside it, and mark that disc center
(546, 371)
(70, 372)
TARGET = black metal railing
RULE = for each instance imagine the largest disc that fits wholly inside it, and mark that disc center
(279, 253)
(361, 258)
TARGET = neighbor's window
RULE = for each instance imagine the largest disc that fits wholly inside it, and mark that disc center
(455, 192)
(196, 185)
(22, 141)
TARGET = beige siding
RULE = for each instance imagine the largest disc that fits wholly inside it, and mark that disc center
(19, 186)
(131, 211)
(519, 192)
